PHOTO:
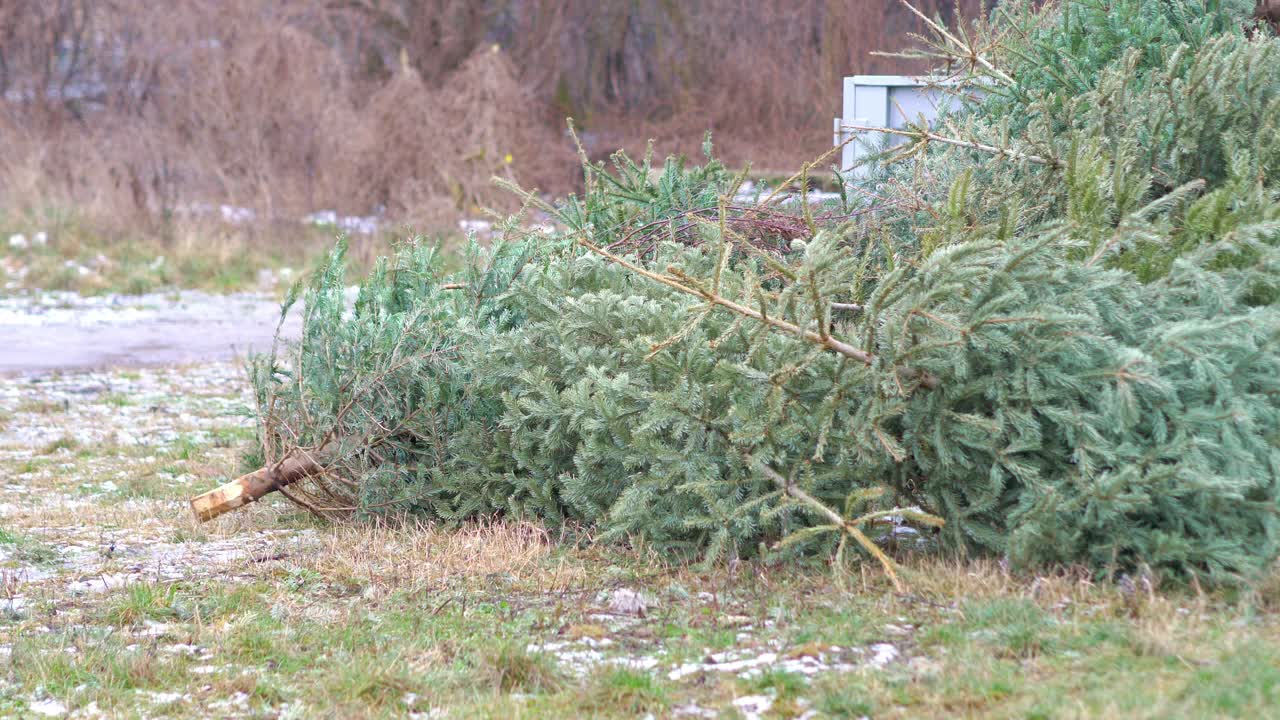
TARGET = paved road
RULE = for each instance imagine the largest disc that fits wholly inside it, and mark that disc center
(63, 331)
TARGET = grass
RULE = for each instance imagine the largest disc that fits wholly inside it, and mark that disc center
(508, 667)
(90, 256)
(266, 613)
(116, 399)
(23, 549)
(38, 407)
(65, 442)
(626, 692)
(141, 602)
(362, 642)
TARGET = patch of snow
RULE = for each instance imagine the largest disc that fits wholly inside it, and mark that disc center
(628, 602)
(806, 664)
(581, 657)
(164, 698)
(47, 708)
(99, 584)
(155, 629)
(693, 710)
(236, 215)
(883, 654)
(753, 707)
(746, 193)
(722, 663)
(480, 227)
(367, 225)
(267, 279)
(646, 662)
(239, 700)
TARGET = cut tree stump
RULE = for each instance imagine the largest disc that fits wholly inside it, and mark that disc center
(248, 488)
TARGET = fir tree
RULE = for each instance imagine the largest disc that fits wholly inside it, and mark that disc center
(1048, 327)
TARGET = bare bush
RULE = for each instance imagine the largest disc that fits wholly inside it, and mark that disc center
(475, 117)
(134, 110)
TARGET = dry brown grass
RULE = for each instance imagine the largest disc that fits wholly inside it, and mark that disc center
(257, 106)
(416, 556)
(126, 110)
(764, 77)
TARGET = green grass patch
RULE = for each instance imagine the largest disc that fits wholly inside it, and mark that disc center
(508, 667)
(65, 442)
(623, 692)
(115, 399)
(41, 407)
(27, 550)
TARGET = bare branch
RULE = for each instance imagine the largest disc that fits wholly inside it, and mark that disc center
(967, 49)
(849, 527)
(923, 135)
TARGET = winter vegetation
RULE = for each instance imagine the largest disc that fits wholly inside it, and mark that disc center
(1044, 331)
(242, 135)
(993, 430)
(182, 125)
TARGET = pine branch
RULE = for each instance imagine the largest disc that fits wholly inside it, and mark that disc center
(683, 283)
(925, 136)
(804, 171)
(1137, 218)
(968, 50)
(831, 343)
(848, 526)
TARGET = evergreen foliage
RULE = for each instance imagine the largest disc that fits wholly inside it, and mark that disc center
(1156, 127)
(1056, 332)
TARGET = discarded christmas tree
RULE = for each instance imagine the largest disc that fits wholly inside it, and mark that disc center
(1047, 326)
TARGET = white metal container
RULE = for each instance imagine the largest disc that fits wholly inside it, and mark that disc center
(889, 101)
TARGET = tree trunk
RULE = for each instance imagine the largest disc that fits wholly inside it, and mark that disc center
(248, 488)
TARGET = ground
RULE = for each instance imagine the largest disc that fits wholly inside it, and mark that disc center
(115, 603)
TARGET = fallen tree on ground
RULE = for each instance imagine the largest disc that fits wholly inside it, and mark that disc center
(1064, 361)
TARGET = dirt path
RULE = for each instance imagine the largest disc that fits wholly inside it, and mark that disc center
(65, 331)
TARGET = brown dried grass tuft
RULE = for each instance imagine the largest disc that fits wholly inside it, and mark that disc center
(256, 106)
(426, 152)
(127, 110)
(417, 556)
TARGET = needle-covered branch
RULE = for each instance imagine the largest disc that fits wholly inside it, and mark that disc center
(678, 280)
